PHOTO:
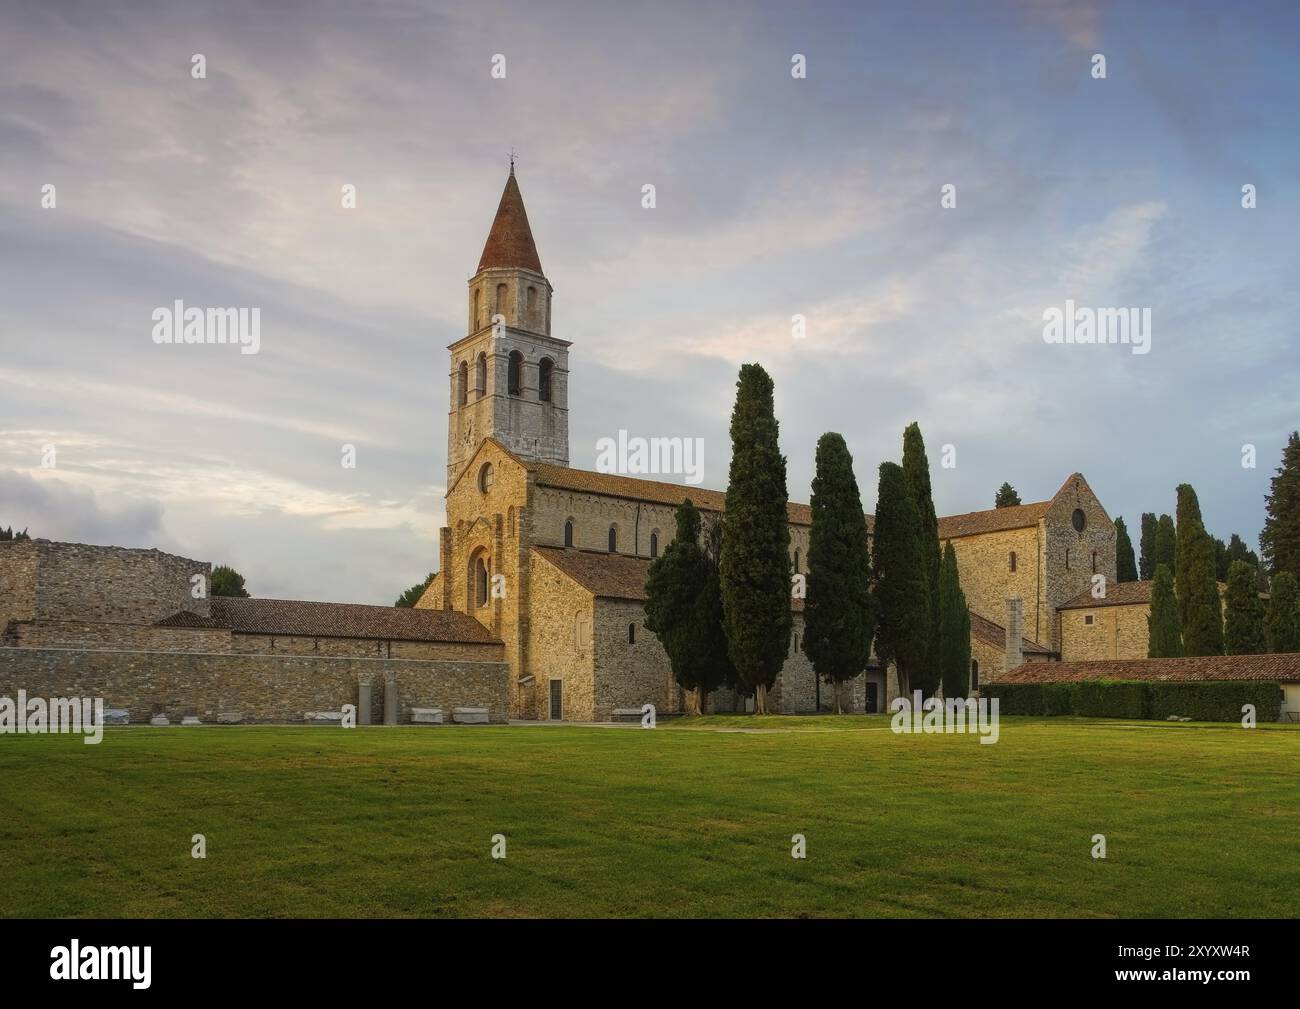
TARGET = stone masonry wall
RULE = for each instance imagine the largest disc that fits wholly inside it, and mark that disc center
(1117, 632)
(265, 688)
(76, 581)
(17, 581)
(82, 634)
(561, 630)
(274, 644)
(630, 674)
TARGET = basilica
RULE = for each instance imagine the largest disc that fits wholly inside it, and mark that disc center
(552, 560)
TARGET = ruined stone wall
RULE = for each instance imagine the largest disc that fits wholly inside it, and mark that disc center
(76, 581)
(264, 688)
(18, 561)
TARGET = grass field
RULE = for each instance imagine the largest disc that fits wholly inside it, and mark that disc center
(690, 819)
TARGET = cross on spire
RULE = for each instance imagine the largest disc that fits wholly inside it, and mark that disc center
(512, 160)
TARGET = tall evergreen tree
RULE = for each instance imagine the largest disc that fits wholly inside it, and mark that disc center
(1282, 622)
(712, 637)
(1243, 621)
(1199, 608)
(954, 628)
(755, 568)
(412, 595)
(1221, 559)
(1164, 629)
(901, 588)
(1166, 545)
(916, 470)
(1279, 543)
(1006, 496)
(8, 535)
(1125, 564)
(1147, 548)
(680, 612)
(839, 617)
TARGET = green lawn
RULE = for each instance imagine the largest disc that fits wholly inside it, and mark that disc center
(684, 820)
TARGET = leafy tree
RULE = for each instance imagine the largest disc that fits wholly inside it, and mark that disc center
(682, 609)
(1243, 622)
(901, 588)
(1199, 607)
(226, 581)
(1163, 626)
(1147, 549)
(954, 628)
(839, 615)
(1279, 543)
(755, 568)
(412, 595)
(1282, 622)
(8, 535)
(1006, 497)
(916, 470)
(1166, 545)
(1125, 564)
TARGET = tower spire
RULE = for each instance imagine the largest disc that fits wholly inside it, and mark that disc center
(510, 242)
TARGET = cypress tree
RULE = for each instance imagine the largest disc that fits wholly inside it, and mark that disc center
(712, 635)
(1221, 559)
(1125, 564)
(1199, 607)
(839, 617)
(901, 588)
(755, 567)
(1279, 543)
(1283, 620)
(1243, 621)
(1166, 544)
(1164, 629)
(1006, 497)
(678, 609)
(916, 471)
(1147, 548)
(954, 628)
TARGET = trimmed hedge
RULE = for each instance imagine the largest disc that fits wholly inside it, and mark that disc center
(1202, 701)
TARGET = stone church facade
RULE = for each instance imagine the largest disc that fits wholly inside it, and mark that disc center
(552, 560)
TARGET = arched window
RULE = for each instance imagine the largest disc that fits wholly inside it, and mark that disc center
(474, 323)
(544, 370)
(501, 298)
(1094, 562)
(568, 533)
(974, 675)
(514, 374)
(794, 644)
(480, 581)
(532, 299)
(631, 634)
(462, 383)
(486, 477)
(796, 560)
(654, 544)
(1011, 561)
(480, 375)
(613, 539)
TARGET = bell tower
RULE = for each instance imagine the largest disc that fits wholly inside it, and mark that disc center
(509, 376)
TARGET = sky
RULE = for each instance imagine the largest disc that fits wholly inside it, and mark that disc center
(775, 196)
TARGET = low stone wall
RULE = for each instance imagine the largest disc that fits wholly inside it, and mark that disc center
(264, 688)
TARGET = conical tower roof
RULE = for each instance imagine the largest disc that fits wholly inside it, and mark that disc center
(510, 242)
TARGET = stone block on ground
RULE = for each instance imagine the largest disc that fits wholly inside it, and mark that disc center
(426, 716)
(470, 716)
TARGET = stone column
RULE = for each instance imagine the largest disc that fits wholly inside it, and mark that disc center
(390, 697)
(1015, 633)
(364, 685)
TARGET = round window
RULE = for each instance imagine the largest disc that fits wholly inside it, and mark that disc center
(1079, 519)
(485, 477)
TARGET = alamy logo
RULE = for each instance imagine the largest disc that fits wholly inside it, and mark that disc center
(36, 715)
(677, 456)
(179, 324)
(102, 963)
(955, 714)
(1102, 325)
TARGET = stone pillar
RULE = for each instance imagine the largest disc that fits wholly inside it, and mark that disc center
(390, 697)
(364, 685)
(1015, 633)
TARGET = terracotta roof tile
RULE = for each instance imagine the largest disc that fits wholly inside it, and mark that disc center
(1117, 594)
(1284, 668)
(992, 520)
(995, 634)
(346, 620)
